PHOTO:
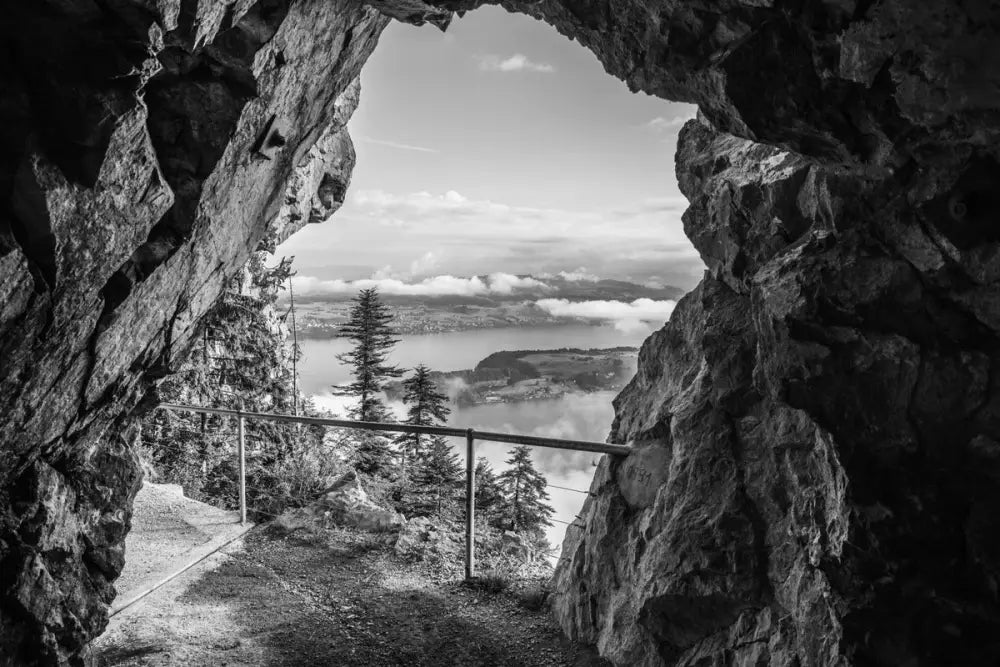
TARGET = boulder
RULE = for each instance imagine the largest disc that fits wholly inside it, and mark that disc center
(421, 538)
(514, 544)
(346, 504)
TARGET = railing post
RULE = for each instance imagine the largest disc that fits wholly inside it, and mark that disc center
(241, 451)
(470, 512)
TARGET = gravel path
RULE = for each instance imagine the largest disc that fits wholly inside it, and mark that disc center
(169, 531)
(332, 597)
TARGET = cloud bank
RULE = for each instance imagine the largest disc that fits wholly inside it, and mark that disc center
(579, 275)
(446, 285)
(515, 63)
(624, 315)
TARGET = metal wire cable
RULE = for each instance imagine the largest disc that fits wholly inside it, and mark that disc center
(568, 523)
(566, 488)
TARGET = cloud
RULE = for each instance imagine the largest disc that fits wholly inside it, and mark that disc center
(423, 264)
(651, 206)
(515, 63)
(663, 125)
(385, 273)
(454, 387)
(579, 275)
(644, 223)
(626, 316)
(506, 283)
(399, 146)
(445, 285)
(337, 405)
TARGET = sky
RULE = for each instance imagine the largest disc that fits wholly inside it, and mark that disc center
(502, 146)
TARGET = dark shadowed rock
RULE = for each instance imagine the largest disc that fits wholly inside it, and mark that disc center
(815, 403)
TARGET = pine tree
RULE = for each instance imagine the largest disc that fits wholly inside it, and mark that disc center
(523, 508)
(368, 327)
(436, 479)
(427, 407)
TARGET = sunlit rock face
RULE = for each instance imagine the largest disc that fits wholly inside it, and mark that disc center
(816, 430)
(146, 149)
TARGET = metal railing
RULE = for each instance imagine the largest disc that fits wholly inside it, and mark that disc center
(469, 434)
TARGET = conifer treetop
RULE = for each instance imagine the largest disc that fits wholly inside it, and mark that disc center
(368, 326)
(524, 506)
(427, 407)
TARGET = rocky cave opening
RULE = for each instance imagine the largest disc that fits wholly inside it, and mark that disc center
(816, 431)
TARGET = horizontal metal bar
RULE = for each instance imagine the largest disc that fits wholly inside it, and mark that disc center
(555, 443)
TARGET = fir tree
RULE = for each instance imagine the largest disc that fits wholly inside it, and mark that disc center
(489, 495)
(436, 479)
(373, 454)
(523, 508)
(427, 407)
(373, 338)
(241, 359)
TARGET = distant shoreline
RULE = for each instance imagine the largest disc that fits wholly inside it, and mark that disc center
(329, 333)
(517, 376)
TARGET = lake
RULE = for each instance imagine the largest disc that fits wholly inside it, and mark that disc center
(456, 350)
(582, 416)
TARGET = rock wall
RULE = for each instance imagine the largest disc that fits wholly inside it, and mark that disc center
(816, 429)
(146, 149)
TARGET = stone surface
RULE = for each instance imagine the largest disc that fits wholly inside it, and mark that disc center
(345, 504)
(317, 187)
(146, 149)
(823, 410)
(420, 538)
(818, 423)
(516, 546)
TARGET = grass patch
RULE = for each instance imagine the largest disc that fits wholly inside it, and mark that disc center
(491, 583)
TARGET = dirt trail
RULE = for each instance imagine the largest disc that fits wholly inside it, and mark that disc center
(331, 597)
